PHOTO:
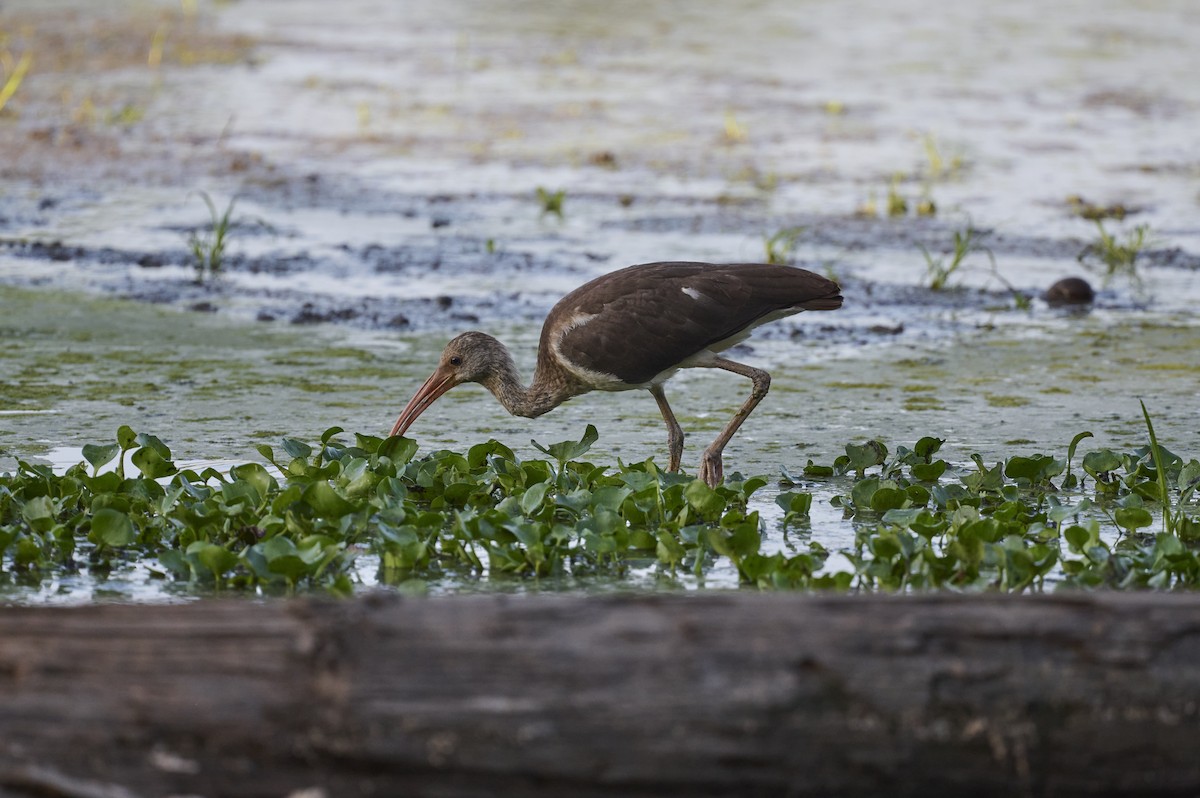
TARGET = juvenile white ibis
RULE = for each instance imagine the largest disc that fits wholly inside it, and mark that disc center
(634, 328)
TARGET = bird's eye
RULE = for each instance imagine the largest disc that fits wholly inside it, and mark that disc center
(456, 361)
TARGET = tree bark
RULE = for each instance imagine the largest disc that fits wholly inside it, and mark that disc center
(711, 694)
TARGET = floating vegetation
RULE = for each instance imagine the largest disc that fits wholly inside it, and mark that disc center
(208, 252)
(781, 245)
(938, 165)
(1095, 212)
(551, 201)
(1117, 256)
(939, 270)
(920, 523)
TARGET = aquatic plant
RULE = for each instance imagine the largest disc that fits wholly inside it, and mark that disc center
(937, 165)
(781, 244)
(14, 78)
(1117, 255)
(1095, 212)
(939, 270)
(897, 205)
(734, 132)
(304, 520)
(208, 252)
(551, 201)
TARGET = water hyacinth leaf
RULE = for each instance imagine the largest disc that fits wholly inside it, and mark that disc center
(152, 441)
(814, 471)
(216, 559)
(1132, 518)
(570, 450)
(297, 450)
(329, 433)
(254, 474)
(703, 499)
(152, 463)
(926, 447)
(795, 503)
(610, 497)
(669, 550)
(1100, 461)
(902, 517)
(398, 449)
(326, 501)
(126, 437)
(38, 512)
(863, 491)
(887, 498)
(241, 491)
(532, 499)
(112, 528)
(928, 472)
(100, 455)
(862, 457)
(1035, 469)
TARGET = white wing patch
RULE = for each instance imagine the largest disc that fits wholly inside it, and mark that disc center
(692, 292)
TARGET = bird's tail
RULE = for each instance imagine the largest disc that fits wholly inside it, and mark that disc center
(830, 302)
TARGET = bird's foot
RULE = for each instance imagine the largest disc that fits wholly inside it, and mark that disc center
(712, 469)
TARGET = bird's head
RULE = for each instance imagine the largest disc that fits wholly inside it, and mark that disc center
(470, 357)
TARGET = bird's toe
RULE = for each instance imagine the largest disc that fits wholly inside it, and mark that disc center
(712, 470)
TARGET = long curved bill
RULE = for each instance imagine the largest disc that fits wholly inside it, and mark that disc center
(438, 383)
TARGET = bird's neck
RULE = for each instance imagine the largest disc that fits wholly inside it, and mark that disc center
(548, 389)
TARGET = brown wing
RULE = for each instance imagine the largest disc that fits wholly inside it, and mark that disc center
(646, 319)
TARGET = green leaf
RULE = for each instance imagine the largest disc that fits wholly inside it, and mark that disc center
(112, 528)
(669, 550)
(297, 449)
(144, 440)
(151, 462)
(256, 475)
(862, 457)
(126, 437)
(1079, 538)
(703, 499)
(863, 491)
(1132, 518)
(566, 451)
(39, 513)
(886, 498)
(217, 559)
(927, 447)
(1100, 461)
(532, 499)
(795, 503)
(928, 472)
(329, 433)
(814, 471)
(100, 455)
(326, 501)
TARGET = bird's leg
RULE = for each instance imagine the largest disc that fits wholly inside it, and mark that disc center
(674, 431)
(712, 470)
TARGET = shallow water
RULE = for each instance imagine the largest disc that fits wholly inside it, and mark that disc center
(385, 163)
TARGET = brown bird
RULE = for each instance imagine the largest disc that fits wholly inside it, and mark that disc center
(634, 328)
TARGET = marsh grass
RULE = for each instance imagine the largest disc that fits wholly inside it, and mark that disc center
(551, 201)
(14, 75)
(940, 269)
(208, 251)
(781, 246)
(1117, 254)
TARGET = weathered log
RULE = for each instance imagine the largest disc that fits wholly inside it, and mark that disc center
(714, 694)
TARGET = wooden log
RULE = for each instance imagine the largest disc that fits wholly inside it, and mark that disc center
(712, 694)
